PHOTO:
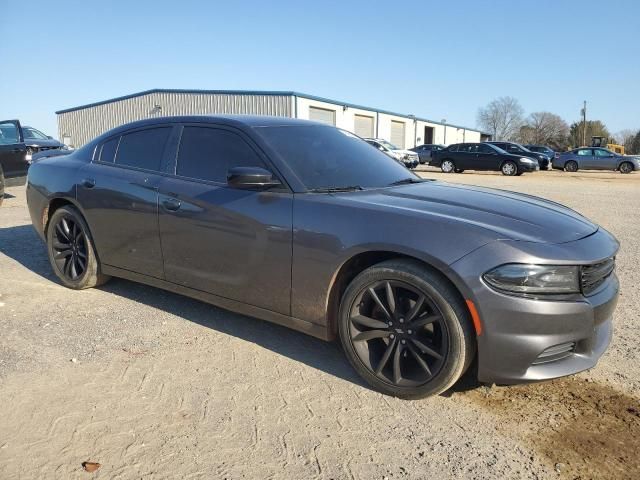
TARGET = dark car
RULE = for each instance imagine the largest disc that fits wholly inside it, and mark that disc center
(307, 226)
(481, 156)
(36, 141)
(424, 151)
(543, 149)
(516, 149)
(588, 158)
(13, 151)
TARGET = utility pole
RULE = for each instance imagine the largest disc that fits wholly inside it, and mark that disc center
(584, 123)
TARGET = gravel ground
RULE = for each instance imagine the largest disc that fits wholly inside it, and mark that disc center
(153, 385)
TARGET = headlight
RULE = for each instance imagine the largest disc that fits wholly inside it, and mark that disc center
(534, 279)
(526, 160)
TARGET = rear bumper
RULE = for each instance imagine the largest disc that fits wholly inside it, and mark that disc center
(526, 340)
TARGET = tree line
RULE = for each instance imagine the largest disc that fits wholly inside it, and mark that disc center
(504, 118)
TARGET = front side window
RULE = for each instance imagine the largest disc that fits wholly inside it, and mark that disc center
(143, 149)
(603, 153)
(209, 153)
(584, 152)
(482, 148)
(327, 157)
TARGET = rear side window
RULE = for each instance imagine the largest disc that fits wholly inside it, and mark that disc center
(453, 148)
(209, 153)
(143, 149)
(584, 152)
(108, 150)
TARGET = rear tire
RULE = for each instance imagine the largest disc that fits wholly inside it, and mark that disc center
(71, 251)
(509, 168)
(571, 166)
(447, 166)
(626, 167)
(405, 329)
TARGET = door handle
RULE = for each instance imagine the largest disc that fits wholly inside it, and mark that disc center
(171, 204)
(88, 183)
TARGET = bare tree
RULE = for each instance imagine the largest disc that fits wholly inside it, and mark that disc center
(502, 118)
(625, 137)
(594, 128)
(545, 128)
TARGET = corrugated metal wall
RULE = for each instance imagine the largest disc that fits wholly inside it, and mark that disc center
(81, 126)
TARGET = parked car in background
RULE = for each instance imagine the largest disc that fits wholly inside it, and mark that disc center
(65, 150)
(424, 151)
(587, 158)
(408, 158)
(516, 149)
(305, 225)
(543, 149)
(481, 156)
(36, 141)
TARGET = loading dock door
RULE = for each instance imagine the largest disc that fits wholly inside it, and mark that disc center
(322, 115)
(363, 126)
(397, 133)
(428, 135)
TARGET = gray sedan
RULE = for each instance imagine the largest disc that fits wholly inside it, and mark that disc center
(307, 226)
(588, 158)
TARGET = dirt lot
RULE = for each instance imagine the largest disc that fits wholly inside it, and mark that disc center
(153, 385)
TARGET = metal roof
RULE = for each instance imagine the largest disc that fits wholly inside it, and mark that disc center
(260, 92)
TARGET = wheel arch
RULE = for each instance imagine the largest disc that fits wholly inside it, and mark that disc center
(54, 204)
(359, 262)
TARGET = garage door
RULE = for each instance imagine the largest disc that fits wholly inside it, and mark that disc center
(363, 126)
(322, 115)
(397, 133)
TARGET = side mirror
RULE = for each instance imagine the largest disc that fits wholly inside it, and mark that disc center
(251, 178)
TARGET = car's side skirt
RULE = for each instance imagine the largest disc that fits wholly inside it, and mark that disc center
(318, 331)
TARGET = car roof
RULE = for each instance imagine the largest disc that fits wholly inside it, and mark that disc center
(235, 120)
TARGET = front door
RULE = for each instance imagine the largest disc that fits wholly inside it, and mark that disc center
(229, 242)
(488, 157)
(118, 191)
(603, 159)
(13, 152)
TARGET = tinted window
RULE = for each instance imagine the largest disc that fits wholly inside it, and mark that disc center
(466, 148)
(143, 149)
(584, 152)
(108, 151)
(209, 153)
(485, 149)
(453, 148)
(323, 156)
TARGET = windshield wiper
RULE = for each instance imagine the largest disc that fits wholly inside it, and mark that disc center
(350, 188)
(406, 181)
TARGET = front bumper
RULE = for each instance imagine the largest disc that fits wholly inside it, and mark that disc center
(521, 336)
(529, 167)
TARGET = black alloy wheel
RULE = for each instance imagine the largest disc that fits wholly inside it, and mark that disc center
(71, 251)
(70, 248)
(405, 329)
(398, 333)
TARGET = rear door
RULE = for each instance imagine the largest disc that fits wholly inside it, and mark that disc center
(585, 158)
(465, 157)
(118, 192)
(229, 242)
(13, 151)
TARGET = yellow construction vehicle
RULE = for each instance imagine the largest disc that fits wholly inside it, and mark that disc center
(603, 142)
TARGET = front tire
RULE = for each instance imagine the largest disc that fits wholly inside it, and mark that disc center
(405, 329)
(71, 251)
(509, 168)
(626, 167)
(447, 166)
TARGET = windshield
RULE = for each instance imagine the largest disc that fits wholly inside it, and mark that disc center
(33, 133)
(390, 146)
(326, 157)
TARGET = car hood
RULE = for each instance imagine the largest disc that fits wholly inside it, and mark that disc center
(510, 215)
(405, 152)
(40, 142)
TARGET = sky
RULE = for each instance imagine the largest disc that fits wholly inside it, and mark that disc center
(434, 59)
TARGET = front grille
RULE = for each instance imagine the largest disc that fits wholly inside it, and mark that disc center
(557, 352)
(592, 276)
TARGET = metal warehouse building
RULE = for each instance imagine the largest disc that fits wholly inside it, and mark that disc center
(79, 125)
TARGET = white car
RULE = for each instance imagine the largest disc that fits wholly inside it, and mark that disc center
(407, 157)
